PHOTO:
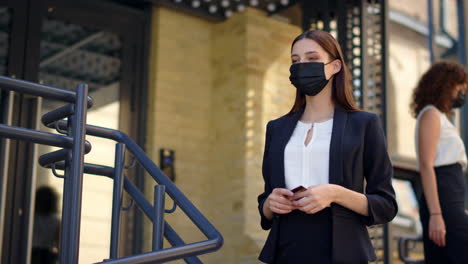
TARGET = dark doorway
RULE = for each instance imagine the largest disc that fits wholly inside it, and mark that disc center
(61, 43)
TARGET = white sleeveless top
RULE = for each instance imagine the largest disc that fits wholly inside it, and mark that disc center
(308, 165)
(450, 147)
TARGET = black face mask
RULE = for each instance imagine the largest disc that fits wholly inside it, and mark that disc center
(308, 77)
(459, 101)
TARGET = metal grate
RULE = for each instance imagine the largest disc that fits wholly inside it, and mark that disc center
(351, 44)
(222, 9)
(361, 32)
(361, 35)
(374, 64)
(72, 53)
(364, 38)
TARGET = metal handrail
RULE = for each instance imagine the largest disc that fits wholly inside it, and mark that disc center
(75, 147)
(215, 239)
(73, 183)
(39, 137)
(31, 88)
(70, 159)
(100, 170)
(403, 248)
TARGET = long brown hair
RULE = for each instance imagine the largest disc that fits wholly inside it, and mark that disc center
(436, 86)
(342, 94)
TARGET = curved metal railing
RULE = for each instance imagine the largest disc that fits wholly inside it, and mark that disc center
(71, 159)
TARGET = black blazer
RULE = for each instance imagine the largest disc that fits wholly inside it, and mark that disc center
(357, 153)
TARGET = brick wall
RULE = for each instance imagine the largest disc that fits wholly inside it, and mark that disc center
(179, 108)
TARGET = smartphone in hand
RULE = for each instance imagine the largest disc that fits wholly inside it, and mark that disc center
(299, 189)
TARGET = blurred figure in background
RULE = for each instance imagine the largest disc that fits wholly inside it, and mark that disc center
(441, 160)
(46, 227)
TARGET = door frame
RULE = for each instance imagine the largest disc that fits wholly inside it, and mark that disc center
(133, 26)
(11, 107)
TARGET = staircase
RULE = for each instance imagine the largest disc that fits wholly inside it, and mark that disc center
(71, 138)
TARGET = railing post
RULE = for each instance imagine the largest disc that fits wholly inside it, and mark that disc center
(146, 207)
(117, 199)
(73, 182)
(158, 217)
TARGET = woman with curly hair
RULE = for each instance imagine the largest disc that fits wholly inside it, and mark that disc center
(441, 160)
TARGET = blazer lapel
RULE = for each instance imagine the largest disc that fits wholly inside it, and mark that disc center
(336, 147)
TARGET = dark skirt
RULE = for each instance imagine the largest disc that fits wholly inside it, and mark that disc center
(305, 238)
(451, 188)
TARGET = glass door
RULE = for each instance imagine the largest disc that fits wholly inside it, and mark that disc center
(62, 43)
(12, 44)
(81, 44)
(5, 33)
(71, 53)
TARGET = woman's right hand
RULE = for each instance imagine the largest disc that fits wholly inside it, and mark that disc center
(278, 201)
(437, 230)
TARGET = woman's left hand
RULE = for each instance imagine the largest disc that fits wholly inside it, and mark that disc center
(314, 199)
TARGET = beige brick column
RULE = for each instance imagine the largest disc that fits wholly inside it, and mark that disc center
(251, 86)
(179, 102)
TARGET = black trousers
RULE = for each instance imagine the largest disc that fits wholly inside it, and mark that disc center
(305, 238)
(451, 188)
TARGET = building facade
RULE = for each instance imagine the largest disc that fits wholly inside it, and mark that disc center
(199, 87)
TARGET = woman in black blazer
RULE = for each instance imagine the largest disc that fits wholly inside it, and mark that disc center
(343, 154)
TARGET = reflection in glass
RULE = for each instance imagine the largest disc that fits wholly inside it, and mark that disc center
(46, 227)
(72, 54)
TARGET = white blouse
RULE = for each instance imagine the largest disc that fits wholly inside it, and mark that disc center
(308, 165)
(450, 147)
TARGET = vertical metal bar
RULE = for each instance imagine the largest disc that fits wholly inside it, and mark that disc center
(5, 148)
(384, 39)
(442, 8)
(341, 18)
(158, 219)
(140, 104)
(117, 199)
(387, 245)
(430, 27)
(461, 13)
(32, 178)
(387, 232)
(306, 17)
(326, 18)
(73, 182)
(364, 56)
(65, 225)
